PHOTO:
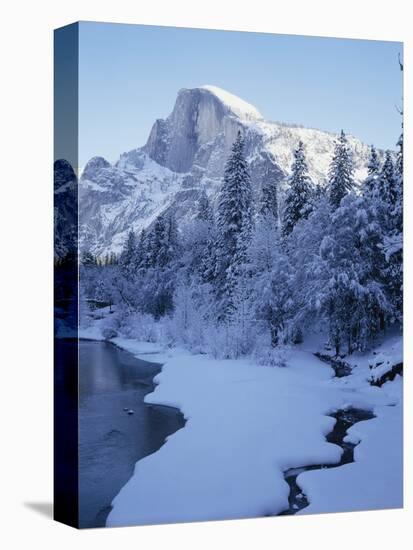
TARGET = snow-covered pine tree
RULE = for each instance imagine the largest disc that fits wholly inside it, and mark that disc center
(341, 172)
(271, 283)
(127, 260)
(267, 269)
(234, 225)
(157, 242)
(388, 182)
(373, 166)
(392, 244)
(269, 199)
(88, 259)
(304, 256)
(204, 211)
(234, 215)
(162, 241)
(200, 241)
(159, 266)
(348, 284)
(99, 291)
(165, 242)
(370, 185)
(398, 210)
(390, 208)
(172, 239)
(297, 204)
(142, 251)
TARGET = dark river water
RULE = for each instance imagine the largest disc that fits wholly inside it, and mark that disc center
(110, 440)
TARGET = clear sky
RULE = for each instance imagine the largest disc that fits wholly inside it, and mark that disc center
(129, 75)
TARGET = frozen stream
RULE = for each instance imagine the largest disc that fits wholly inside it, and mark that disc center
(344, 420)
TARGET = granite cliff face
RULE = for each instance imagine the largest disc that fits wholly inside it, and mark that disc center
(189, 134)
(186, 153)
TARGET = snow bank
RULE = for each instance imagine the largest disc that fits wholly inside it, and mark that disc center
(92, 332)
(389, 349)
(373, 364)
(146, 350)
(245, 426)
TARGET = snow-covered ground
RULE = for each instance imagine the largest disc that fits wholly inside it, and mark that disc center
(246, 425)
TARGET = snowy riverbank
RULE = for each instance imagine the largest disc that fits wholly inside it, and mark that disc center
(246, 425)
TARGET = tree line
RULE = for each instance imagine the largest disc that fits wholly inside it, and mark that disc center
(249, 275)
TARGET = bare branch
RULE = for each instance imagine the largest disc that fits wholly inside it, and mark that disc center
(400, 63)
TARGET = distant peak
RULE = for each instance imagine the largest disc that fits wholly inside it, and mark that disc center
(93, 165)
(235, 104)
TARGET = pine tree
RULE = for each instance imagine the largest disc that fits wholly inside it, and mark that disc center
(157, 243)
(304, 255)
(204, 210)
(128, 264)
(370, 184)
(388, 182)
(398, 209)
(269, 199)
(271, 291)
(88, 259)
(373, 166)
(99, 294)
(158, 253)
(341, 172)
(162, 241)
(234, 225)
(142, 251)
(392, 243)
(349, 286)
(298, 197)
(202, 241)
(235, 199)
(172, 239)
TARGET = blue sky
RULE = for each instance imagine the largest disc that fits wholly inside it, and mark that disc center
(129, 75)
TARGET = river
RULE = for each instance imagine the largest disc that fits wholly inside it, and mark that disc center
(111, 441)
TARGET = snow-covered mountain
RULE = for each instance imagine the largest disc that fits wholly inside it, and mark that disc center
(186, 153)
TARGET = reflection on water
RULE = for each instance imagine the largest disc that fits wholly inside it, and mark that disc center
(105, 368)
(110, 440)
